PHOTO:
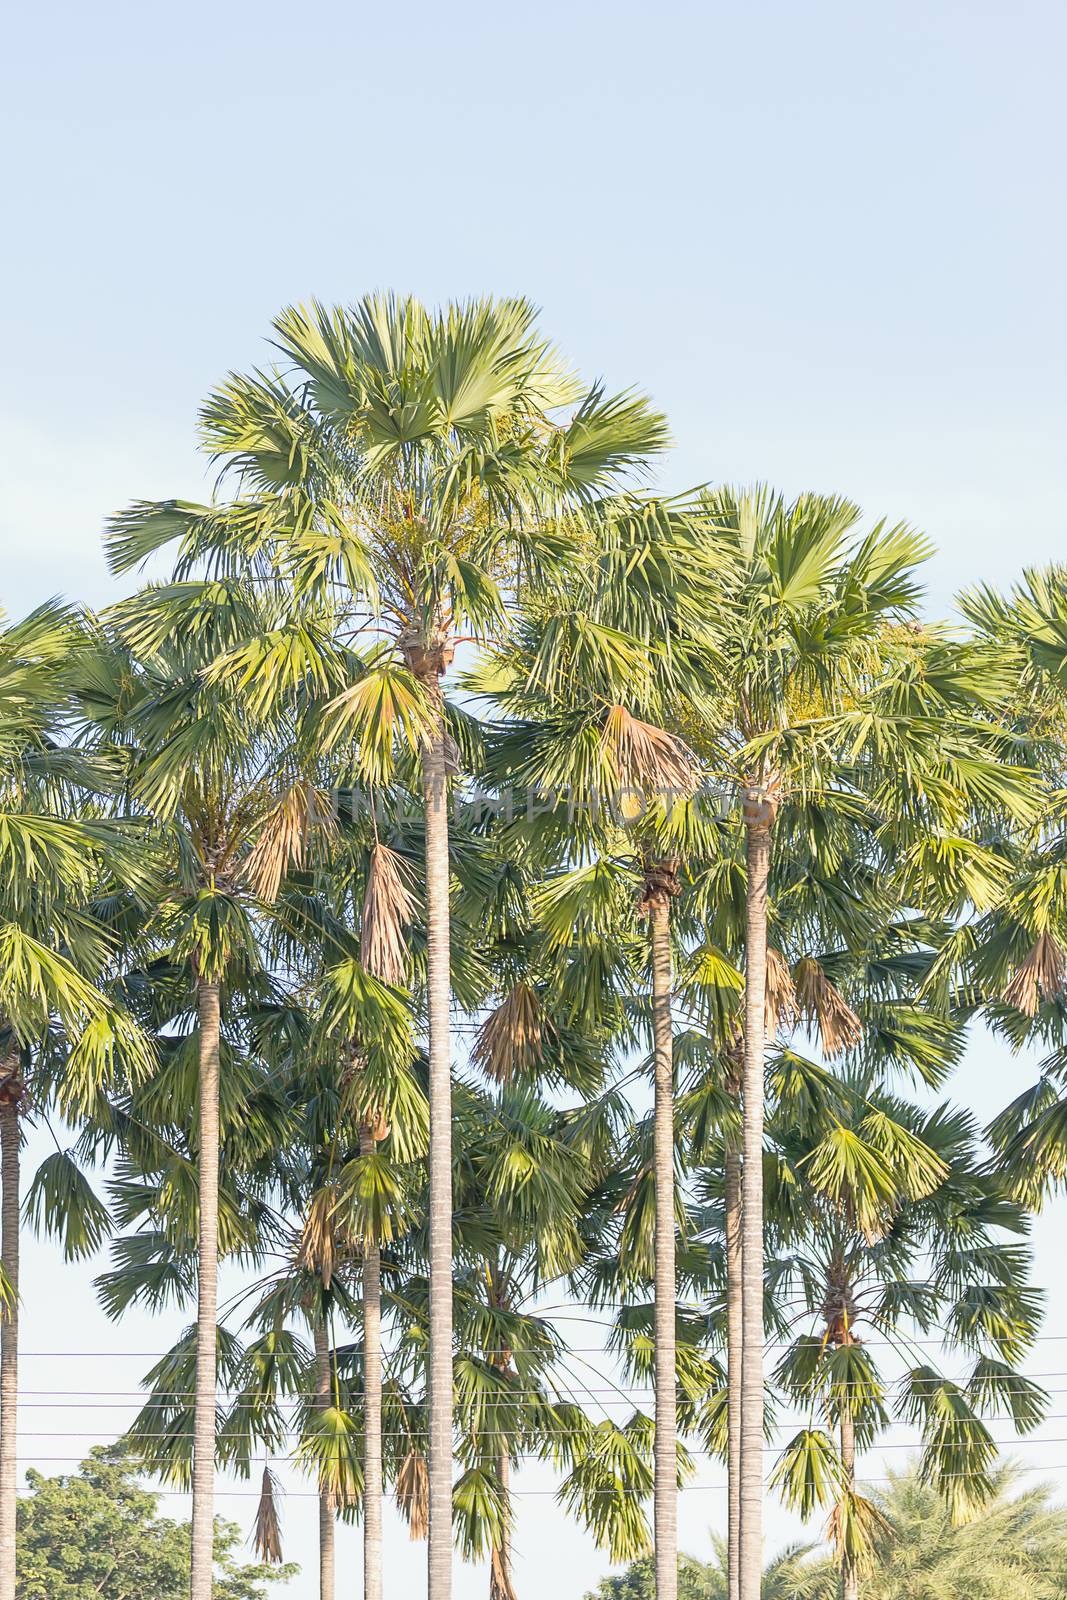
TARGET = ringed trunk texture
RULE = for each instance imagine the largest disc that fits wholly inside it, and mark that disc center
(500, 1585)
(733, 1367)
(372, 1401)
(435, 796)
(327, 1519)
(666, 1456)
(758, 852)
(201, 1580)
(9, 1323)
(850, 1578)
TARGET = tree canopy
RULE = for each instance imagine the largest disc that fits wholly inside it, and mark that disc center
(96, 1535)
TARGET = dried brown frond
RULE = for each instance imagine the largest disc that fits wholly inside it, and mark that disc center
(500, 1585)
(820, 1002)
(298, 818)
(413, 1493)
(319, 1248)
(780, 1000)
(267, 1533)
(1041, 977)
(388, 908)
(512, 1038)
(646, 757)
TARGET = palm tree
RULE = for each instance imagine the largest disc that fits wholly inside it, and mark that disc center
(819, 693)
(519, 1192)
(415, 460)
(366, 1196)
(884, 1193)
(1014, 958)
(60, 1032)
(296, 1189)
(576, 683)
(366, 974)
(222, 785)
(821, 890)
(1016, 1550)
(832, 1136)
(524, 1184)
(794, 1574)
(790, 566)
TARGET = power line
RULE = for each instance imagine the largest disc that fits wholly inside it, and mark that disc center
(159, 1463)
(162, 1398)
(685, 1488)
(771, 1344)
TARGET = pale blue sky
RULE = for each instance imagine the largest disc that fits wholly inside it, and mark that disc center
(828, 238)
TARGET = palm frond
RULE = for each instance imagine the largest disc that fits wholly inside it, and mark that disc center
(1040, 977)
(511, 1039)
(820, 1002)
(267, 1532)
(780, 998)
(413, 1493)
(388, 908)
(300, 819)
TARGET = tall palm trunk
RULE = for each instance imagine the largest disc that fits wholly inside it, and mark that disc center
(500, 1585)
(758, 852)
(666, 1454)
(327, 1518)
(850, 1578)
(203, 1522)
(734, 1341)
(10, 1091)
(372, 1407)
(435, 798)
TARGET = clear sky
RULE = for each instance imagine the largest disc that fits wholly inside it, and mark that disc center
(828, 238)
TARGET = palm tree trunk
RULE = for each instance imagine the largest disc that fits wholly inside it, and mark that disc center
(850, 1579)
(666, 1454)
(9, 1321)
(435, 797)
(327, 1520)
(500, 1585)
(372, 1408)
(203, 1523)
(758, 851)
(733, 1367)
